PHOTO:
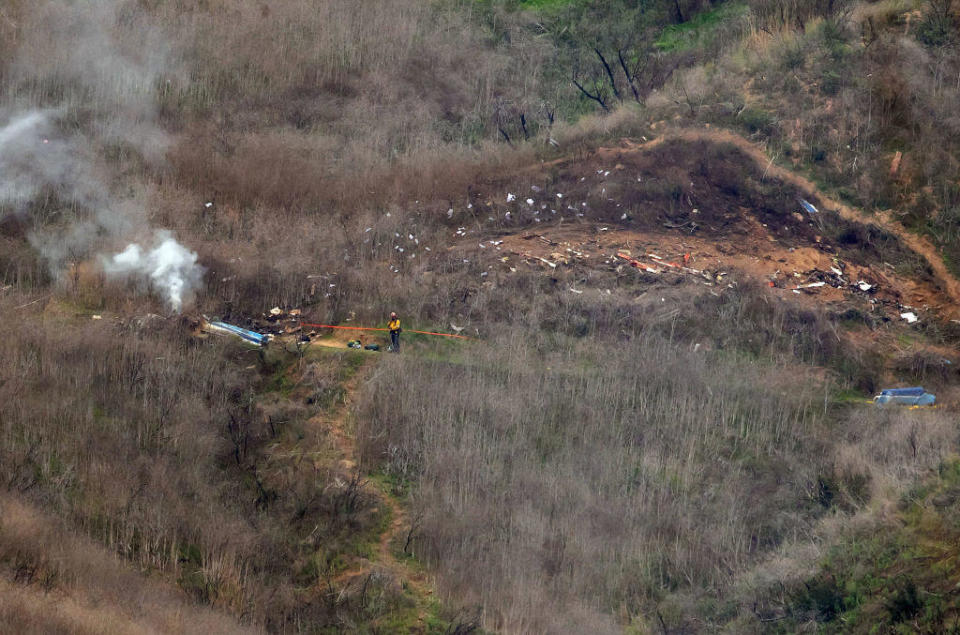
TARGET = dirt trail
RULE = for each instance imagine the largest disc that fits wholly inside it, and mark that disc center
(339, 426)
(917, 243)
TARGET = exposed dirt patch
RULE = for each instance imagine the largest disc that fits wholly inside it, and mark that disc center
(717, 199)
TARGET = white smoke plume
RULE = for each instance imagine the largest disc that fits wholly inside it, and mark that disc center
(107, 61)
(169, 266)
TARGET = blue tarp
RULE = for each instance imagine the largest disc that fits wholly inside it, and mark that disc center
(248, 336)
(913, 396)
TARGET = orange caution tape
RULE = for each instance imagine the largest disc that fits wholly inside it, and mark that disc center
(370, 328)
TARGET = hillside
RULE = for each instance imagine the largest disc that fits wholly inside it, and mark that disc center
(681, 245)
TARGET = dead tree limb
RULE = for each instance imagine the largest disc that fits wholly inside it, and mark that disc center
(606, 67)
(597, 98)
(523, 126)
(629, 76)
(506, 137)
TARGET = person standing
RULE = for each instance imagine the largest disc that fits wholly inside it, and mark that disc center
(394, 326)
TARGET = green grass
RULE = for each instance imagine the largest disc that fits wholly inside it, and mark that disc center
(904, 576)
(699, 30)
(546, 4)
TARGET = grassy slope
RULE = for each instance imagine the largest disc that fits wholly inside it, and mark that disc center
(251, 523)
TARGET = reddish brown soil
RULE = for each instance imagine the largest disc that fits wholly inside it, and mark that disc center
(718, 198)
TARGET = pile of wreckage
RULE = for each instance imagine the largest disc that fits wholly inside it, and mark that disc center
(260, 331)
(815, 279)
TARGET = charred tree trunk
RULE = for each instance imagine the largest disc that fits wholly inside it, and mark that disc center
(629, 76)
(609, 71)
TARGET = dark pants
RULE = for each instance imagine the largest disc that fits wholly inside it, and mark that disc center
(395, 340)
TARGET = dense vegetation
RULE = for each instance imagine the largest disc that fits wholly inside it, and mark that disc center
(648, 455)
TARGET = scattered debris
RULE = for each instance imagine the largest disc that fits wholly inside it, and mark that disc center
(808, 207)
(910, 317)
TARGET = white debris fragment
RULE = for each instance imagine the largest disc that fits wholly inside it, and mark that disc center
(577, 291)
(910, 317)
(529, 201)
(836, 271)
(208, 204)
(864, 286)
(450, 213)
(559, 195)
(624, 217)
(510, 197)
(367, 229)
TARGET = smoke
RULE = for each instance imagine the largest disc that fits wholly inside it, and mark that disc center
(169, 266)
(81, 90)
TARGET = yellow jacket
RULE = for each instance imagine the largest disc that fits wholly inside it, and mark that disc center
(394, 324)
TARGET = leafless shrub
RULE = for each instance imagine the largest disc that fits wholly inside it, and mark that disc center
(560, 465)
(796, 13)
